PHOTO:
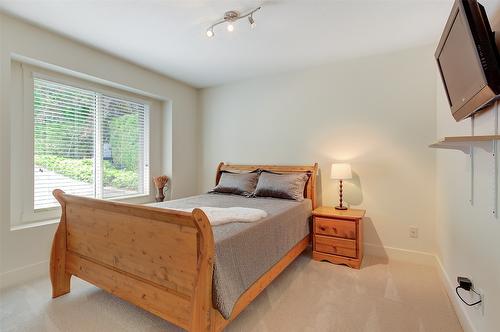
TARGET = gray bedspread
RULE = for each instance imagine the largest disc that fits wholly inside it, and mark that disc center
(245, 251)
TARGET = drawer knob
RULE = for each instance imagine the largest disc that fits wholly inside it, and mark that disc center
(322, 228)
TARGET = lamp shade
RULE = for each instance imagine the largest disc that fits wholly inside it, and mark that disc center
(341, 172)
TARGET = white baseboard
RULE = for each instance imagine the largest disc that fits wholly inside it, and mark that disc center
(391, 253)
(24, 274)
(449, 285)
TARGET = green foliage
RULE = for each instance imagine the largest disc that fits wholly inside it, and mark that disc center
(83, 170)
(119, 178)
(124, 141)
(77, 169)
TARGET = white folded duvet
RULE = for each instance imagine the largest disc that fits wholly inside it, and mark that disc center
(220, 216)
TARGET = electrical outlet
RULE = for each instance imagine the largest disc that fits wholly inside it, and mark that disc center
(413, 232)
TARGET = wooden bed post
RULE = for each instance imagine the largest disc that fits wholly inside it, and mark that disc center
(202, 319)
(59, 278)
(313, 186)
(218, 174)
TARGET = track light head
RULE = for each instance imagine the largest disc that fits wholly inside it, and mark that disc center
(210, 32)
(230, 27)
(251, 21)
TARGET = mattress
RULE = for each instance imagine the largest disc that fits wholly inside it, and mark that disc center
(245, 251)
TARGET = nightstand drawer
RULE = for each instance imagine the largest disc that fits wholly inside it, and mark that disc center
(336, 246)
(335, 227)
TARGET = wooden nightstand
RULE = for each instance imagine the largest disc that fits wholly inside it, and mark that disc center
(338, 236)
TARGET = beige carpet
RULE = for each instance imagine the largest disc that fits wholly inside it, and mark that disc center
(308, 296)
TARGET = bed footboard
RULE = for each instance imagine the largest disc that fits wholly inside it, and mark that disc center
(160, 260)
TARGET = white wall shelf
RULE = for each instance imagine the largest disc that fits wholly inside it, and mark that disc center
(466, 144)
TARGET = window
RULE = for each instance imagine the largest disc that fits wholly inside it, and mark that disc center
(88, 143)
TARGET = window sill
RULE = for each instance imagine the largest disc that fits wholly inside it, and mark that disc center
(124, 198)
(34, 224)
(132, 199)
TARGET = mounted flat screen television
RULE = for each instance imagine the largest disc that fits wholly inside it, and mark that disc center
(468, 60)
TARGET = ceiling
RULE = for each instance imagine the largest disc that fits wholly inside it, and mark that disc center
(168, 36)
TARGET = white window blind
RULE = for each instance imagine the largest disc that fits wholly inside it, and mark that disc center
(122, 134)
(87, 144)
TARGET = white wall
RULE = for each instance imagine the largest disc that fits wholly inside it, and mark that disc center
(468, 236)
(377, 113)
(28, 249)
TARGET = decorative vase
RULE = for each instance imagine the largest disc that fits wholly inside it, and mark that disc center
(160, 196)
(160, 184)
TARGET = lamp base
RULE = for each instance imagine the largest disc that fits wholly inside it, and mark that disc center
(341, 208)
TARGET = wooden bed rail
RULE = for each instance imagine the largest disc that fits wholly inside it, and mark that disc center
(158, 259)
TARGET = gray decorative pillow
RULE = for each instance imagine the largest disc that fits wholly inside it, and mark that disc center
(237, 183)
(287, 186)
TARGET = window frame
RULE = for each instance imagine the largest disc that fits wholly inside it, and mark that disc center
(26, 213)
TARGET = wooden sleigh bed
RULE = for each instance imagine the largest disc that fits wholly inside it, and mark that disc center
(158, 259)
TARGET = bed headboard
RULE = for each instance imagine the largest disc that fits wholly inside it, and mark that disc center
(309, 190)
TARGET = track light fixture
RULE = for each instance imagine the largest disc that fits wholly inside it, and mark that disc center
(231, 17)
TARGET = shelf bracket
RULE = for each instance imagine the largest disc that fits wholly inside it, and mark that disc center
(489, 147)
(466, 144)
(471, 169)
(495, 178)
(464, 148)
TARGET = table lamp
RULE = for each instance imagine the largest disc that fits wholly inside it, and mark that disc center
(341, 172)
